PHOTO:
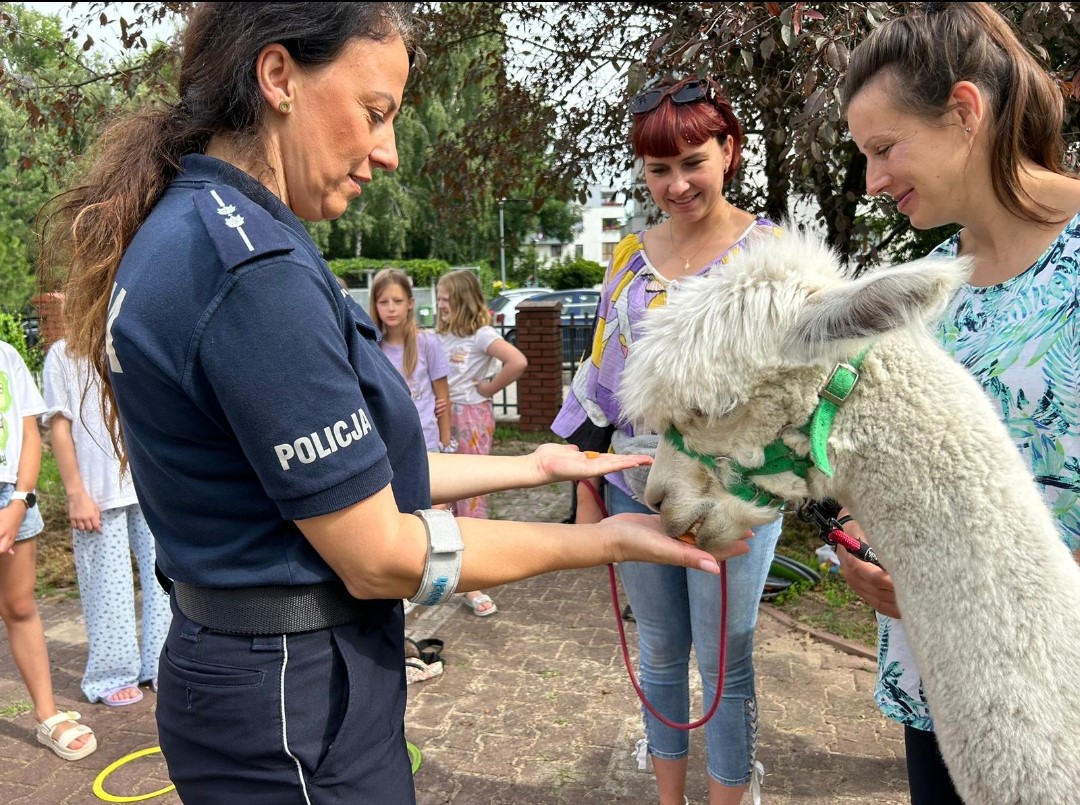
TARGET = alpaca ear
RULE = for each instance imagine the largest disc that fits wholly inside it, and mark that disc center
(890, 298)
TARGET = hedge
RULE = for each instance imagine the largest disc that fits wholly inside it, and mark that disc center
(11, 331)
(423, 272)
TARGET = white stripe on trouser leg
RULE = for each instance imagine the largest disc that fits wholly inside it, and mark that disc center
(284, 724)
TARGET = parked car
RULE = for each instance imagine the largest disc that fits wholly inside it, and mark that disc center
(578, 313)
(578, 304)
(503, 309)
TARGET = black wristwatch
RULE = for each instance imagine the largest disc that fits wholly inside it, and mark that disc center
(29, 498)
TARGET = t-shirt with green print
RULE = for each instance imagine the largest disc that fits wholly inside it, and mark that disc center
(19, 397)
(1021, 341)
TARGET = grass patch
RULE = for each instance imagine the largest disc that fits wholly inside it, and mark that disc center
(830, 605)
(55, 558)
(16, 708)
(505, 432)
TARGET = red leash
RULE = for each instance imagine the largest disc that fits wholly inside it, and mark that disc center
(626, 651)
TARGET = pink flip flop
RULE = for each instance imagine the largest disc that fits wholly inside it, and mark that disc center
(108, 702)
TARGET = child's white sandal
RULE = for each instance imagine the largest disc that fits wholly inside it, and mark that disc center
(62, 745)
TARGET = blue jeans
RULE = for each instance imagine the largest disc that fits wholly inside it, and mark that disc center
(675, 609)
(32, 524)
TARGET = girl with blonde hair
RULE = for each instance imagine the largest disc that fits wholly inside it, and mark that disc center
(472, 345)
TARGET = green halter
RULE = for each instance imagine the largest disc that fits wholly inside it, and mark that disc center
(778, 456)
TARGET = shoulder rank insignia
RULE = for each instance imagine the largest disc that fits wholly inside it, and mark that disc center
(241, 230)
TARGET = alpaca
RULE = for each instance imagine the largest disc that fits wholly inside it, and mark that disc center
(989, 592)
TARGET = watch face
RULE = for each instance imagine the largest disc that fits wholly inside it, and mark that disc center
(31, 500)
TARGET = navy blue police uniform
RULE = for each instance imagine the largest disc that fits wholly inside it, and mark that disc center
(252, 393)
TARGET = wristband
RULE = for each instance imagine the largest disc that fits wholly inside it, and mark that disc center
(450, 447)
(443, 566)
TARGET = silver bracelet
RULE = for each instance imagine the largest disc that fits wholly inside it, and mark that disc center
(443, 566)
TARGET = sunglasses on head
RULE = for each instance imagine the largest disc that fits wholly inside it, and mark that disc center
(690, 92)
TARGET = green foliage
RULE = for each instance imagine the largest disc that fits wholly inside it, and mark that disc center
(575, 272)
(11, 331)
(794, 592)
(558, 220)
(49, 110)
(423, 272)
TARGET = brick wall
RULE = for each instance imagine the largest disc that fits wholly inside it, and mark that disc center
(50, 310)
(539, 390)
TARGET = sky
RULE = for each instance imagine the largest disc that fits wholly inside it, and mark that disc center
(106, 38)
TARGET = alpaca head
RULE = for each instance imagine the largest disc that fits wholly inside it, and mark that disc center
(734, 356)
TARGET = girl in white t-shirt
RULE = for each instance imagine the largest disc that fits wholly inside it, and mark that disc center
(107, 526)
(472, 346)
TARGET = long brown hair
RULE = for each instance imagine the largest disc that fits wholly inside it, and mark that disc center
(928, 52)
(383, 280)
(86, 230)
(468, 311)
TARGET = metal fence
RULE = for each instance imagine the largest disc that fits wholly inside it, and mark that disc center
(577, 332)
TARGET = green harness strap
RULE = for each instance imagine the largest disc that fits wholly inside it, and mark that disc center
(837, 388)
(778, 456)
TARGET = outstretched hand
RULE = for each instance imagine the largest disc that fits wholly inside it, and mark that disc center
(564, 462)
(641, 538)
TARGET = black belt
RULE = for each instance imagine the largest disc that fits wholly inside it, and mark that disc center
(270, 610)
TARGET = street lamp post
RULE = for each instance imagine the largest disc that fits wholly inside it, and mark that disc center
(502, 243)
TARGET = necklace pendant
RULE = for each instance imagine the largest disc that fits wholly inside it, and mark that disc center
(686, 267)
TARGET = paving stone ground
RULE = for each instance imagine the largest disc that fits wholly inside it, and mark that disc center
(534, 708)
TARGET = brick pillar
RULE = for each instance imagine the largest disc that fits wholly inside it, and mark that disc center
(50, 310)
(539, 390)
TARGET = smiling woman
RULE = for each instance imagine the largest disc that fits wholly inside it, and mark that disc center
(960, 124)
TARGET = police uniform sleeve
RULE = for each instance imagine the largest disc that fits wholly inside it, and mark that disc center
(278, 356)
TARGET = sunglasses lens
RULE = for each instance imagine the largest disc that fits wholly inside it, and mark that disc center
(694, 91)
(646, 101)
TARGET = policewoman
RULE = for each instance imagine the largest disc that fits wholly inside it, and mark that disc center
(275, 450)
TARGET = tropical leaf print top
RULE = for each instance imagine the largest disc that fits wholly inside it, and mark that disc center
(1021, 341)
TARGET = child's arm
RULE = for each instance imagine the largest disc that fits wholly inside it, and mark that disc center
(441, 387)
(11, 516)
(514, 364)
(82, 509)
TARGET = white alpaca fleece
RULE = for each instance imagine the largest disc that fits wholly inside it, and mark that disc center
(989, 592)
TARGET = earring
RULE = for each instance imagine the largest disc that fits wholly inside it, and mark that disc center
(285, 106)
(967, 129)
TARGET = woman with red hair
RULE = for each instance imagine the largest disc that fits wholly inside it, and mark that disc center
(689, 143)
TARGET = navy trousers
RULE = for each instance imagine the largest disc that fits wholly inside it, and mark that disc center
(304, 719)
